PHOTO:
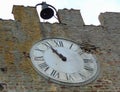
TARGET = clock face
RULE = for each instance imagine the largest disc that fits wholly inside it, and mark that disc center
(63, 61)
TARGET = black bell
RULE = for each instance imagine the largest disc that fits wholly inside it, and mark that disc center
(46, 12)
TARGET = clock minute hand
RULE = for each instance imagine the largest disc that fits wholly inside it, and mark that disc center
(60, 55)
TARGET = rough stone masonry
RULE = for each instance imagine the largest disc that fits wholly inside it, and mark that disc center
(17, 37)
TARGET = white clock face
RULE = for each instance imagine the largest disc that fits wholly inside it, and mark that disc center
(64, 62)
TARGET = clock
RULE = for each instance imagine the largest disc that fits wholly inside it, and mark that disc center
(63, 61)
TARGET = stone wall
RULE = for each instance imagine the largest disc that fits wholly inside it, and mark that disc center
(17, 37)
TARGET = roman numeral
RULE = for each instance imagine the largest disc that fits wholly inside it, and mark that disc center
(71, 46)
(88, 68)
(87, 60)
(82, 76)
(69, 77)
(44, 66)
(47, 44)
(39, 58)
(55, 74)
(59, 43)
(40, 50)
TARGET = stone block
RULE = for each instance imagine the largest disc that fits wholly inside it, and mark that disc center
(110, 20)
(71, 17)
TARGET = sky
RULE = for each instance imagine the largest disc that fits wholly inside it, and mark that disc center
(89, 9)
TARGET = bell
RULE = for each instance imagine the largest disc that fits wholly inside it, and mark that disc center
(46, 12)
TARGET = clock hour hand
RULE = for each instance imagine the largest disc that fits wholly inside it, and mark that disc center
(60, 55)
